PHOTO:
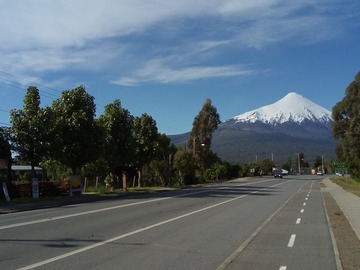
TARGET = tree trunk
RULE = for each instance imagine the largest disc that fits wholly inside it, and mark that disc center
(139, 178)
(124, 180)
(134, 180)
(112, 181)
(181, 179)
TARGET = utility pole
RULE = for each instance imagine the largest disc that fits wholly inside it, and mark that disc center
(298, 158)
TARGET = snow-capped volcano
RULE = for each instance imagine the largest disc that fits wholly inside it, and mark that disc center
(291, 108)
(291, 125)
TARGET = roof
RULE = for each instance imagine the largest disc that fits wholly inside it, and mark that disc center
(24, 168)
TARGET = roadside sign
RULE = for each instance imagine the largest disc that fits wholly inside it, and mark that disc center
(341, 166)
(75, 185)
(35, 188)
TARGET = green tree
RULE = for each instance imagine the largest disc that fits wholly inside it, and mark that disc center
(232, 170)
(145, 136)
(161, 165)
(54, 170)
(245, 169)
(267, 166)
(5, 154)
(183, 164)
(29, 133)
(117, 145)
(77, 134)
(216, 172)
(205, 123)
(288, 165)
(346, 127)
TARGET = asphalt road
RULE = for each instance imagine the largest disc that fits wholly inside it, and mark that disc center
(263, 224)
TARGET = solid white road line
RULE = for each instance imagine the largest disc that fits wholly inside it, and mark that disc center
(106, 209)
(79, 214)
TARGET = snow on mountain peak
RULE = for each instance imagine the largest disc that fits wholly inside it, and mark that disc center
(291, 108)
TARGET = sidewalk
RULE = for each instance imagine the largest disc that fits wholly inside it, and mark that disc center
(348, 203)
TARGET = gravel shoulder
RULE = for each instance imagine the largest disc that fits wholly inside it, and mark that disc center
(347, 241)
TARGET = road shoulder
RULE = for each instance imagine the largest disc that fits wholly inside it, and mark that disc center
(347, 242)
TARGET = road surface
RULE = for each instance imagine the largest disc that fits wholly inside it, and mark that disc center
(262, 223)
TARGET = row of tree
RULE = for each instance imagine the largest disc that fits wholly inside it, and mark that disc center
(67, 138)
(346, 127)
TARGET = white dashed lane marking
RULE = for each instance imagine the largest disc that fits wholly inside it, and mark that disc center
(292, 240)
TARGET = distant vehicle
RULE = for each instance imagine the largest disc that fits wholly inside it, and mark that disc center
(339, 174)
(320, 173)
(278, 174)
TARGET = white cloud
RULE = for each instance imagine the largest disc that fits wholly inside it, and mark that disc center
(157, 71)
(40, 36)
(63, 23)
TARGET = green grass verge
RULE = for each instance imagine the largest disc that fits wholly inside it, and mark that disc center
(348, 184)
(151, 189)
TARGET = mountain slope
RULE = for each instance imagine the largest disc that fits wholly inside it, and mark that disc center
(291, 125)
(292, 108)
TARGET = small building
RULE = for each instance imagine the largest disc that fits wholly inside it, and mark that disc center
(17, 170)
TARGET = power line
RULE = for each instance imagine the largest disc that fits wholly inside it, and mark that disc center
(17, 84)
(32, 82)
(18, 87)
(52, 96)
(14, 84)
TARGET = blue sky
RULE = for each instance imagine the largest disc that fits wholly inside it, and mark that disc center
(165, 58)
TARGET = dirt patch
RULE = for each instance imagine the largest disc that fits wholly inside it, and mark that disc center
(346, 240)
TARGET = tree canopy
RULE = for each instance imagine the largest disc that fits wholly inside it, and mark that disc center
(346, 127)
(68, 138)
(29, 129)
(116, 125)
(77, 133)
(205, 123)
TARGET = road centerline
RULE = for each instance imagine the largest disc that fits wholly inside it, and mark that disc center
(292, 240)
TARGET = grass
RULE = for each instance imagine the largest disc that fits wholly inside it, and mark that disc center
(101, 189)
(348, 184)
(150, 189)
